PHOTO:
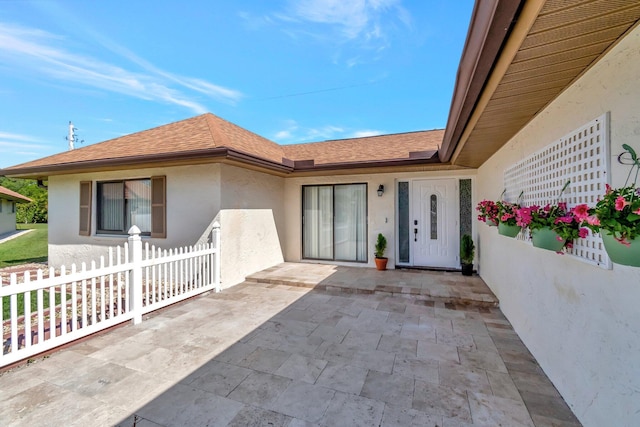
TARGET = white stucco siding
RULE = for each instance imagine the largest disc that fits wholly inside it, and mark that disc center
(252, 222)
(381, 211)
(193, 200)
(581, 322)
(7, 218)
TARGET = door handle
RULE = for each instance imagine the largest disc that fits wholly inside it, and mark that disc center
(415, 234)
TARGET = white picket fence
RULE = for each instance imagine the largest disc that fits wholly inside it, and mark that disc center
(134, 281)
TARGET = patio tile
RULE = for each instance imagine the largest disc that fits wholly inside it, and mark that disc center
(392, 389)
(196, 407)
(493, 410)
(479, 359)
(433, 351)
(264, 359)
(462, 341)
(301, 368)
(259, 389)
(399, 345)
(547, 406)
(351, 410)
(342, 377)
(362, 340)
(330, 333)
(441, 400)
(250, 416)
(464, 378)
(426, 370)
(217, 377)
(502, 385)
(335, 356)
(396, 416)
(295, 401)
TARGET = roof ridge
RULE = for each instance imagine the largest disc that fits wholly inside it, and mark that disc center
(364, 137)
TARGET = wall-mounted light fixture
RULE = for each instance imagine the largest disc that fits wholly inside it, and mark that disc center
(380, 190)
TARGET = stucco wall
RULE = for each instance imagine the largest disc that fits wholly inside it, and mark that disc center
(7, 219)
(252, 222)
(581, 322)
(381, 210)
(193, 200)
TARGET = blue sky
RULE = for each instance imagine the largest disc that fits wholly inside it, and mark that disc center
(291, 71)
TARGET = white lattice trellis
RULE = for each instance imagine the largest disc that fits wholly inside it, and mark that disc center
(581, 157)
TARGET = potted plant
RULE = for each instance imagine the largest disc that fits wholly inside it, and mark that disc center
(381, 246)
(507, 225)
(553, 227)
(618, 214)
(467, 252)
(488, 212)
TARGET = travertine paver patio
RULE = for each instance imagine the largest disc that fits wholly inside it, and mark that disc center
(265, 354)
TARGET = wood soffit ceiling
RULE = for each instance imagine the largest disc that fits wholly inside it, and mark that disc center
(565, 39)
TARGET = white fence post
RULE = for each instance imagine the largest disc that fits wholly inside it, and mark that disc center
(135, 281)
(216, 242)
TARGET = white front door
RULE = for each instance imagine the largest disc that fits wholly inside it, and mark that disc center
(435, 239)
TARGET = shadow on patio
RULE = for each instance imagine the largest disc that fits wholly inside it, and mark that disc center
(275, 354)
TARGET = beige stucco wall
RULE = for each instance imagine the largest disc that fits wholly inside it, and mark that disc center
(251, 221)
(581, 322)
(193, 200)
(7, 219)
(246, 205)
(381, 210)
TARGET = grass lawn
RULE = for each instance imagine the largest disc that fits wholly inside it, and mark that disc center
(31, 247)
(6, 307)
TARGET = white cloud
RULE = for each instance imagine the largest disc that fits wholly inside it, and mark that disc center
(34, 50)
(365, 22)
(294, 133)
(18, 137)
(366, 132)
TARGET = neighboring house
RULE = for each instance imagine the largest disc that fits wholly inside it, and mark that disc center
(539, 82)
(8, 200)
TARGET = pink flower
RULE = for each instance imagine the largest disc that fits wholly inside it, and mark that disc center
(583, 232)
(547, 208)
(593, 220)
(562, 206)
(623, 241)
(560, 239)
(637, 212)
(621, 203)
(581, 212)
(505, 217)
(607, 189)
(568, 219)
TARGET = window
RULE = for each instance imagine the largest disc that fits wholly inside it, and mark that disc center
(122, 204)
(13, 207)
(1, 203)
(334, 219)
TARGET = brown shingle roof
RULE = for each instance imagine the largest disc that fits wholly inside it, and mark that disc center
(368, 149)
(197, 133)
(209, 136)
(7, 194)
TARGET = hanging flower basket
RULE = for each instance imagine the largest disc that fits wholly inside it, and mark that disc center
(625, 253)
(492, 223)
(546, 238)
(508, 230)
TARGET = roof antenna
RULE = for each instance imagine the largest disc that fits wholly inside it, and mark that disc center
(72, 137)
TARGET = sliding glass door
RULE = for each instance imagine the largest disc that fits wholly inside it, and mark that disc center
(334, 219)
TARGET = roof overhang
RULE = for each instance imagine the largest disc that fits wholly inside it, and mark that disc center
(514, 71)
(418, 161)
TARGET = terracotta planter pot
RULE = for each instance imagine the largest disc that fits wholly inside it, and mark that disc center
(619, 253)
(381, 263)
(546, 238)
(508, 230)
